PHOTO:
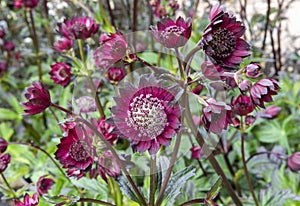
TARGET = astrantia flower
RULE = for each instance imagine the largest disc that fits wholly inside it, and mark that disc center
(215, 116)
(3, 145)
(147, 115)
(73, 172)
(112, 49)
(242, 105)
(38, 97)
(44, 184)
(2, 33)
(86, 104)
(4, 161)
(263, 90)
(63, 45)
(78, 28)
(8, 46)
(172, 34)
(60, 73)
(75, 150)
(222, 41)
(244, 85)
(108, 165)
(270, 112)
(115, 74)
(294, 162)
(28, 201)
(196, 152)
(107, 130)
(253, 70)
(26, 3)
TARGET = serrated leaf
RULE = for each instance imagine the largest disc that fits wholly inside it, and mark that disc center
(162, 164)
(214, 190)
(7, 114)
(67, 200)
(176, 183)
(126, 188)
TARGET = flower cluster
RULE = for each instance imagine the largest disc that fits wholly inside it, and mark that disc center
(4, 158)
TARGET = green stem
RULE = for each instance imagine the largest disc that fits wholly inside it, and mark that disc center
(179, 63)
(118, 193)
(192, 202)
(152, 179)
(246, 169)
(90, 81)
(103, 15)
(7, 184)
(62, 109)
(99, 202)
(111, 188)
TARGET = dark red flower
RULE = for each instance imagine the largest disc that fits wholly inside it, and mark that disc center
(2, 33)
(63, 45)
(38, 97)
(108, 165)
(147, 115)
(244, 85)
(115, 74)
(60, 73)
(250, 119)
(112, 49)
(8, 46)
(270, 112)
(222, 41)
(215, 116)
(75, 150)
(78, 28)
(73, 172)
(28, 201)
(242, 105)
(196, 152)
(26, 3)
(253, 70)
(159, 11)
(263, 90)
(2, 68)
(107, 130)
(44, 184)
(3, 145)
(4, 161)
(173, 34)
(294, 162)
(198, 89)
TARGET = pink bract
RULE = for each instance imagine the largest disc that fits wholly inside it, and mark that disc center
(60, 73)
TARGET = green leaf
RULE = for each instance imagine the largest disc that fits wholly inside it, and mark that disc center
(7, 114)
(269, 132)
(214, 190)
(126, 188)
(6, 131)
(68, 200)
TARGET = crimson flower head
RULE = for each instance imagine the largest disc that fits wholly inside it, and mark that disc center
(8, 46)
(271, 112)
(75, 150)
(244, 85)
(294, 162)
(263, 90)
(115, 74)
(196, 152)
(173, 34)
(63, 45)
(108, 165)
(28, 201)
(4, 161)
(147, 115)
(112, 49)
(38, 97)
(26, 3)
(73, 172)
(222, 41)
(253, 70)
(44, 184)
(215, 116)
(242, 105)
(60, 73)
(3, 145)
(78, 28)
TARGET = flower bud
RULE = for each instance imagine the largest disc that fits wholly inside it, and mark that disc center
(3, 145)
(253, 70)
(270, 112)
(244, 85)
(294, 162)
(115, 74)
(4, 161)
(196, 152)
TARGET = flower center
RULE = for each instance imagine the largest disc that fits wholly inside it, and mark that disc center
(146, 115)
(172, 31)
(80, 151)
(222, 44)
(62, 73)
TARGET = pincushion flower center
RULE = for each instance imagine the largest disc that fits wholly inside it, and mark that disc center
(62, 73)
(80, 151)
(222, 44)
(147, 115)
(172, 30)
